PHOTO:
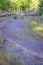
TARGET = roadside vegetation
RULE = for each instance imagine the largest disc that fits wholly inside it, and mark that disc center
(35, 28)
(15, 16)
(9, 59)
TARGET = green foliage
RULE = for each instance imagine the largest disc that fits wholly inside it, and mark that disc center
(4, 4)
(30, 20)
(15, 16)
(38, 26)
(16, 5)
(9, 59)
(41, 7)
(34, 4)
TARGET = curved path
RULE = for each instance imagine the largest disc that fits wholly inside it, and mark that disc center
(18, 42)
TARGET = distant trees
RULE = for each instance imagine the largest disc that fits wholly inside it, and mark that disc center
(23, 4)
(20, 5)
(4, 4)
(34, 4)
(41, 7)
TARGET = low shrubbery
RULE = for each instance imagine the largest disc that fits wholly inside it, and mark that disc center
(9, 59)
(37, 26)
(15, 16)
(34, 29)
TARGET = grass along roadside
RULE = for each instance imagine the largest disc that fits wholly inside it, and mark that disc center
(36, 26)
(9, 59)
(34, 29)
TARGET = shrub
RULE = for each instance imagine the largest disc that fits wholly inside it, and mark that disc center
(15, 16)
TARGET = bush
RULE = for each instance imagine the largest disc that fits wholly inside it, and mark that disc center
(15, 16)
(41, 11)
(41, 7)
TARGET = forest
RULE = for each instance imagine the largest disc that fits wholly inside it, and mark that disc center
(22, 5)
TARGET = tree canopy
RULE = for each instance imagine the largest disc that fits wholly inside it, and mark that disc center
(20, 4)
(41, 7)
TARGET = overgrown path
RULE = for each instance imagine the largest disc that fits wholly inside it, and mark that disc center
(18, 42)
